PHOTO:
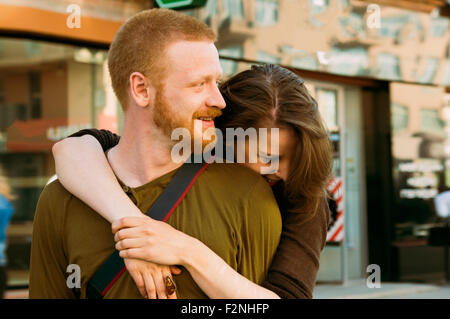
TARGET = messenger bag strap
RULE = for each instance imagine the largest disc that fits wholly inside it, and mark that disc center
(167, 202)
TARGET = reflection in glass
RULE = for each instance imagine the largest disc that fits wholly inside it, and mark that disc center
(420, 162)
(233, 9)
(399, 117)
(307, 63)
(266, 12)
(230, 67)
(351, 61)
(388, 66)
(327, 101)
(430, 120)
(430, 71)
(47, 92)
(265, 57)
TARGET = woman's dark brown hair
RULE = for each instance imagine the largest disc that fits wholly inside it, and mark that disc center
(272, 96)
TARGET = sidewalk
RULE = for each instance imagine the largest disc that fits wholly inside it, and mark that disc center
(353, 290)
(16, 294)
(359, 290)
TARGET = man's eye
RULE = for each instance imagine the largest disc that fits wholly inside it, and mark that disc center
(201, 84)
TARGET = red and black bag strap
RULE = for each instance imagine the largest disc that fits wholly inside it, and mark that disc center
(173, 194)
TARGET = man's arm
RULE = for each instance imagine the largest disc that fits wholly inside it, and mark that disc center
(48, 264)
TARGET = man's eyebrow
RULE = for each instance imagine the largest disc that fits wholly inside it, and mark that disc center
(201, 78)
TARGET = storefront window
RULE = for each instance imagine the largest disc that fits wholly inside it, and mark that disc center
(47, 92)
(104, 9)
(419, 157)
(35, 94)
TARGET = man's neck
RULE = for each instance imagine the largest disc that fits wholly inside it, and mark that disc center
(142, 155)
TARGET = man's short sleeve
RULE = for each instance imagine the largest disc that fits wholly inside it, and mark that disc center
(48, 263)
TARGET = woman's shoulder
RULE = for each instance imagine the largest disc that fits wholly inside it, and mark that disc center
(319, 219)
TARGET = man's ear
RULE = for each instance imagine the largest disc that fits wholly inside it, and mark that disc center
(141, 90)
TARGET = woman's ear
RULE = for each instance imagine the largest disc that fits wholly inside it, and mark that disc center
(141, 90)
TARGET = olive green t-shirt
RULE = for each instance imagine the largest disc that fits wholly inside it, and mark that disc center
(229, 208)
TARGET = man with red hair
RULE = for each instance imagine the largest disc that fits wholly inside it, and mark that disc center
(164, 69)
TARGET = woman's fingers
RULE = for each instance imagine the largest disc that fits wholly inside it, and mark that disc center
(160, 285)
(150, 286)
(128, 222)
(175, 270)
(135, 253)
(134, 232)
(131, 243)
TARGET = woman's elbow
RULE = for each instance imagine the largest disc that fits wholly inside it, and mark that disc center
(59, 148)
(66, 147)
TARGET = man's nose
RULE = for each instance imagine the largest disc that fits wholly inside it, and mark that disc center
(216, 98)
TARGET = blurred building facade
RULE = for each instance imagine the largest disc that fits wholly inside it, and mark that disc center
(380, 72)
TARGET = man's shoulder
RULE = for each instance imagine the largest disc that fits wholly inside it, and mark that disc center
(236, 176)
(237, 183)
(54, 197)
(55, 188)
(234, 170)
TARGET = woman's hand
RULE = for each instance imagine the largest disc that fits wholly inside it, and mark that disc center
(150, 278)
(147, 239)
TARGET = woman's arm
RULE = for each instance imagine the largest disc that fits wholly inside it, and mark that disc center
(217, 279)
(83, 169)
(84, 155)
(304, 239)
(156, 241)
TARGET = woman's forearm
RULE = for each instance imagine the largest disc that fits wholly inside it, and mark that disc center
(83, 169)
(217, 279)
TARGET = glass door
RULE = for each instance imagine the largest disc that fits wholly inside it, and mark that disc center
(340, 107)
